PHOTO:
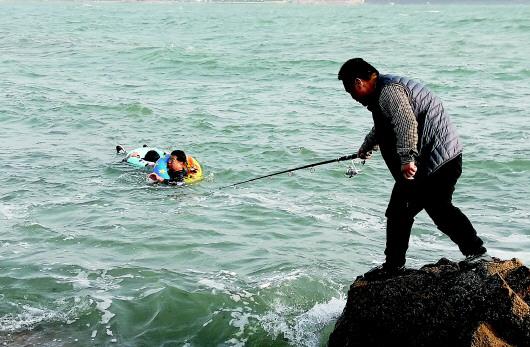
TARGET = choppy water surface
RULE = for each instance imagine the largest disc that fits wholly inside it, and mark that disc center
(90, 254)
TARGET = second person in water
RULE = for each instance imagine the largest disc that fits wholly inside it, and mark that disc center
(179, 166)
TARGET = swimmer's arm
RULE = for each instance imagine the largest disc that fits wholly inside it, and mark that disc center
(153, 176)
(193, 167)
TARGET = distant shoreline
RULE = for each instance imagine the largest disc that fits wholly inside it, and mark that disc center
(331, 2)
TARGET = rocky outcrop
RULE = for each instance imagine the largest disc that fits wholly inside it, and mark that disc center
(442, 304)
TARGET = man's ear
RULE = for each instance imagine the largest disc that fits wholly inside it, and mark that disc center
(357, 82)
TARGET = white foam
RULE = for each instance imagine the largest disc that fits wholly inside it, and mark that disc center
(103, 306)
(320, 315)
(11, 322)
(265, 285)
(81, 281)
(235, 297)
(211, 284)
(280, 278)
(28, 318)
(305, 331)
(236, 343)
(227, 282)
(240, 320)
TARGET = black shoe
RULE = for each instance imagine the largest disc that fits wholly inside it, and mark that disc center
(383, 271)
(119, 149)
(476, 258)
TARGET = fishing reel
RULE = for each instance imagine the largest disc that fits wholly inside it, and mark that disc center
(352, 170)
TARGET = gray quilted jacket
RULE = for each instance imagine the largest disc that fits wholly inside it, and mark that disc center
(437, 138)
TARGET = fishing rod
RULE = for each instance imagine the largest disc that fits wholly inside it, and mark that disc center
(343, 158)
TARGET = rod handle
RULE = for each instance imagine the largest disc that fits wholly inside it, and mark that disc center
(347, 157)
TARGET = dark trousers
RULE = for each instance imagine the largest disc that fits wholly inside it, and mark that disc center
(434, 194)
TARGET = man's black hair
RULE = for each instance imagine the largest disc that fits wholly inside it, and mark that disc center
(356, 68)
(181, 156)
(151, 155)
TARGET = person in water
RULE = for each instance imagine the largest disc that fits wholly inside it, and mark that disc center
(149, 158)
(423, 153)
(179, 166)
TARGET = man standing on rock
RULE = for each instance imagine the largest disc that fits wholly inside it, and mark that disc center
(422, 151)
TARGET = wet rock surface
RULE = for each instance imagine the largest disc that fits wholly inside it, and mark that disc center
(443, 304)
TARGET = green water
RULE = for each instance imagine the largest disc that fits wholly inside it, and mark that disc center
(92, 255)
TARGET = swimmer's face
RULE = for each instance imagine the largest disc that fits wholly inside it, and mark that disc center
(174, 165)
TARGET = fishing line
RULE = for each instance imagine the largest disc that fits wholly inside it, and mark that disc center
(343, 158)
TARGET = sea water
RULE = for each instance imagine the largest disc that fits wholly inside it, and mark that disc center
(91, 254)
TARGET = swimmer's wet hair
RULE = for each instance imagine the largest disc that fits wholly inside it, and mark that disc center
(181, 156)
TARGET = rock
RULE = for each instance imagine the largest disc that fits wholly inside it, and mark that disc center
(442, 304)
